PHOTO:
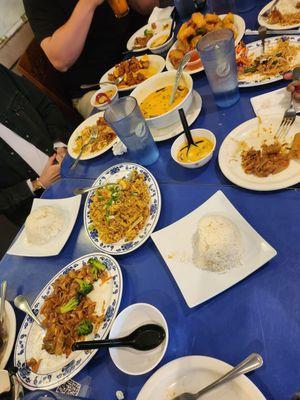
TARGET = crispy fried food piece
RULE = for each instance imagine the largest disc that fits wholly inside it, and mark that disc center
(228, 19)
(183, 46)
(186, 33)
(34, 364)
(195, 40)
(175, 57)
(212, 18)
(199, 20)
(232, 27)
(295, 149)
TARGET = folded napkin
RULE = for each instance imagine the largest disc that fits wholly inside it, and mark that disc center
(273, 102)
(160, 13)
(119, 148)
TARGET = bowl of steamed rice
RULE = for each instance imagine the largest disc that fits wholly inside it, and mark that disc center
(153, 96)
(218, 245)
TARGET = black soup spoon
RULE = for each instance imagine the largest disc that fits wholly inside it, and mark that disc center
(144, 338)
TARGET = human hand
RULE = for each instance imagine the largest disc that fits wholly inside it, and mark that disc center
(60, 153)
(51, 172)
(293, 87)
(94, 3)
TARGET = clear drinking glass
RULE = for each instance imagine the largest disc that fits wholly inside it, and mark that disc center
(217, 53)
(127, 120)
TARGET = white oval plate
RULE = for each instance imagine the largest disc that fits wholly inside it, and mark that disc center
(56, 370)
(190, 374)
(263, 21)
(256, 48)
(10, 329)
(92, 120)
(156, 62)
(140, 32)
(113, 174)
(230, 159)
(171, 131)
(239, 23)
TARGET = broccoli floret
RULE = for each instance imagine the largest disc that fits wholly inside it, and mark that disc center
(69, 306)
(97, 267)
(84, 287)
(84, 328)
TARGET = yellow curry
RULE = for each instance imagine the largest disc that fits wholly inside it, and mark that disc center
(157, 103)
(159, 41)
(195, 153)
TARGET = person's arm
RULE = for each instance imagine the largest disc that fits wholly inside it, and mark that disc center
(293, 87)
(65, 45)
(144, 7)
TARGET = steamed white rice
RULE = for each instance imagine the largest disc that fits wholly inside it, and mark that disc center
(287, 6)
(43, 224)
(218, 244)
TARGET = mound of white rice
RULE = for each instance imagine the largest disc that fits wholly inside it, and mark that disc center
(43, 224)
(218, 244)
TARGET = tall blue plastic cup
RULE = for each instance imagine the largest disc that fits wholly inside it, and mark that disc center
(127, 120)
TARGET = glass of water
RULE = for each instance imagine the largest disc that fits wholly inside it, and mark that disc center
(127, 120)
(217, 53)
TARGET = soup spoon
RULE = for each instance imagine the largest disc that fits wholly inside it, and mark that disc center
(144, 338)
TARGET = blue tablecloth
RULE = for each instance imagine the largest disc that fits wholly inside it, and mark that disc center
(259, 314)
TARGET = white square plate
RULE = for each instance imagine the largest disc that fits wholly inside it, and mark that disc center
(70, 207)
(175, 243)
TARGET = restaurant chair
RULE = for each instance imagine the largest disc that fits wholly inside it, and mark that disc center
(35, 66)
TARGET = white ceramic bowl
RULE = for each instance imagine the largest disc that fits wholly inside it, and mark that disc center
(157, 82)
(131, 361)
(177, 144)
(102, 89)
(163, 47)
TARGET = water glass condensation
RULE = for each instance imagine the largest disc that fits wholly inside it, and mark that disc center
(127, 120)
(217, 53)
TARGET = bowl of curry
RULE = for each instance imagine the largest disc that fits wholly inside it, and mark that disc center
(153, 97)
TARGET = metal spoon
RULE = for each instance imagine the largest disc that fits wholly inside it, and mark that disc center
(94, 135)
(144, 338)
(91, 85)
(182, 64)
(250, 363)
(22, 304)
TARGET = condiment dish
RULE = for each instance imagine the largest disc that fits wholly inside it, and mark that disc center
(164, 46)
(181, 140)
(104, 88)
(131, 361)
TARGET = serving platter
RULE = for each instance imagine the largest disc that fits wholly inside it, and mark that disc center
(239, 23)
(56, 370)
(140, 32)
(230, 158)
(255, 48)
(92, 120)
(111, 175)
(156, 62)
(190, 374)
(264, 22)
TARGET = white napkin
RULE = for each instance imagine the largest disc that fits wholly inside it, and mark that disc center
(160, 13)
(119, 148)
(273, 102)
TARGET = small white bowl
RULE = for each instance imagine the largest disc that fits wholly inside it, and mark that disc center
(182, 139)
(163, 47)
(103, 88)
(157, 82)
(131, 361)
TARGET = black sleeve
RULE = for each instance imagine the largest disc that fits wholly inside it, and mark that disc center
(14, 195)
(58, 127)
(44, 17)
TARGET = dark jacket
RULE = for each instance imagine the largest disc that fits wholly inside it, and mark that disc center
(31, 115)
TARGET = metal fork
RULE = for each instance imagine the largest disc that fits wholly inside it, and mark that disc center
(289, 115)
(94, 135)
(262, 33)
(250, 363)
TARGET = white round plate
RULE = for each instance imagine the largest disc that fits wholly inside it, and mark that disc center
(239, 23)
(111, 175)
(140, 32)
(264, 22)
(131, 361)
(171, 131)
(256, 49)
(190, 374)
(230, 159)
(56, 370)
(92, 120)
(157, 62)
(10, 329)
